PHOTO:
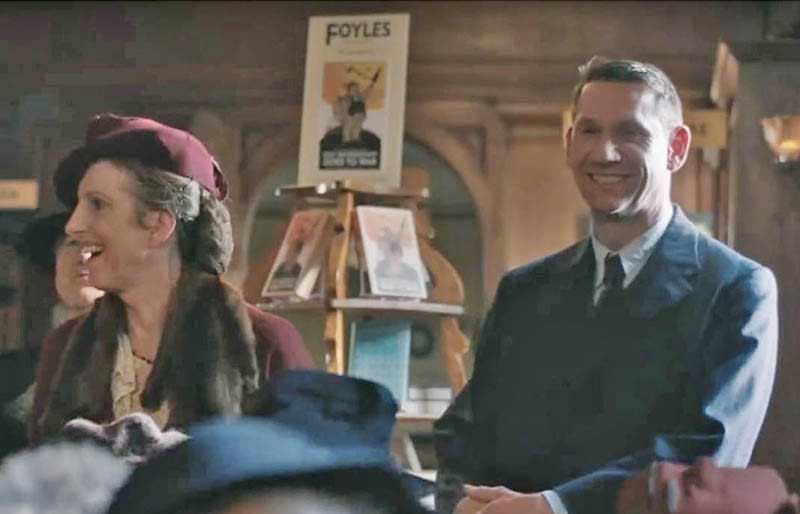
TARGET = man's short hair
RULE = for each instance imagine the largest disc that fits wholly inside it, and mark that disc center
(601, 69)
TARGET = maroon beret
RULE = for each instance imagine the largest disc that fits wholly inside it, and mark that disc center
(109, 136)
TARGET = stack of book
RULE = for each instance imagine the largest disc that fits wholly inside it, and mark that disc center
(427, 401)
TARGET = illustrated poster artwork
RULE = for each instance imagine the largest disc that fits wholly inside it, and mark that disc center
(353, 116)
(392, 253)
(354, 99)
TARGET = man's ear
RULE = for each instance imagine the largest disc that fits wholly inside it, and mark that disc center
(568, 138)
(678, 150)
(161, 225)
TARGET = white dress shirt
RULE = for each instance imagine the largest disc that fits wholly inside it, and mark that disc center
(633, 255)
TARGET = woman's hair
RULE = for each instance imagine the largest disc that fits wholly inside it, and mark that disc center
(205, 235)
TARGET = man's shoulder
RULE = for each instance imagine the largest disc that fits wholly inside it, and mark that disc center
(719, 260)
(683, 244)
(544, 267)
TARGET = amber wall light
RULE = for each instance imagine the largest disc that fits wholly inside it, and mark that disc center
(782, 134)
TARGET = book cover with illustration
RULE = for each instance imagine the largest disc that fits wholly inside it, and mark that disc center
(391, 251)
(354, 99)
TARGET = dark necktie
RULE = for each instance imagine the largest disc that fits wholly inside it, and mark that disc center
(613, 279)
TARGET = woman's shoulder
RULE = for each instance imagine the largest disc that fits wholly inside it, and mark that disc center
(279, 335)
(270, 325)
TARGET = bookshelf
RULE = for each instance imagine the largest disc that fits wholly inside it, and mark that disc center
(341, 303)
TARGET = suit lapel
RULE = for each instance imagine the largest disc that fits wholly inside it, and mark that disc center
(669, 274)
(666, 278)
(569, 270)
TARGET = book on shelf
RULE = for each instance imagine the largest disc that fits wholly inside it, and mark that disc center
(359, 261)
(427, 401)
(301, 257)
(391, 252)
(380, 350)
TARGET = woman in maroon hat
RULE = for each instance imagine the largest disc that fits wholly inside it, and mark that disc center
(170, 338)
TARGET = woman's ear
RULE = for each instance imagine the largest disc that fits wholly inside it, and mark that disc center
(161, 225)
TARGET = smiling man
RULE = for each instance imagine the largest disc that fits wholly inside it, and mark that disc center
(647, 341)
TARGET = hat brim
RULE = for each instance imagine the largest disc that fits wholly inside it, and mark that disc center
(220, 456)
(141, 145)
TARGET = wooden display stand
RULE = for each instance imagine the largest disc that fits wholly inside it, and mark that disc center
(445, 299)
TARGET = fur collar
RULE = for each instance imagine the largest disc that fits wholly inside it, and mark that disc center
(205, 365)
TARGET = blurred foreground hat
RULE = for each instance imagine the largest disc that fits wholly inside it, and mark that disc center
(319, 430)
(333, 408)
(109, 136)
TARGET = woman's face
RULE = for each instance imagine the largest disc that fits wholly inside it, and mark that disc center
(113, 244)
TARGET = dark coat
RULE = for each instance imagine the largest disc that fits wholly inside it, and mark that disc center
(215, 351)
(568, 398)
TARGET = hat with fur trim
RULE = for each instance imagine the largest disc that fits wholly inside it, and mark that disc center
(109, 136)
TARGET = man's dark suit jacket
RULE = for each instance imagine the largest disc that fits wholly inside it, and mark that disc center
(567, 397)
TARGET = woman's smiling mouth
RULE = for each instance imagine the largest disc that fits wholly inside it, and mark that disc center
(89, 252)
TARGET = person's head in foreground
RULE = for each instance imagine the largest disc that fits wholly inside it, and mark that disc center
(322, 446)
(705, 488)
(45, 245)
(626, 140)
(61, 478)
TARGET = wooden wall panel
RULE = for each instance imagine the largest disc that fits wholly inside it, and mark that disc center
(767, 228)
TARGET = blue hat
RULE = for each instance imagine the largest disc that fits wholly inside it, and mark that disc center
(351, 410)
(314, 424)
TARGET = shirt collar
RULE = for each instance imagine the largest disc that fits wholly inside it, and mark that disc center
(633, 255)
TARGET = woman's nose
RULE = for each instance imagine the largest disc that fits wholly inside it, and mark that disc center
(74, 223)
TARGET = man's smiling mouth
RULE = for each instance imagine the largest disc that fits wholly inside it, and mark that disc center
(606, 178)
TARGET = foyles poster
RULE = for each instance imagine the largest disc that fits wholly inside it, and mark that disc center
(354, 99)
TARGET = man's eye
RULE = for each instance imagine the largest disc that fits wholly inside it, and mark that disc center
(588, 130)
(633, 134)
(96, 203)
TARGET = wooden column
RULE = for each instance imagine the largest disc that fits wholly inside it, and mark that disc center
(766, 226)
